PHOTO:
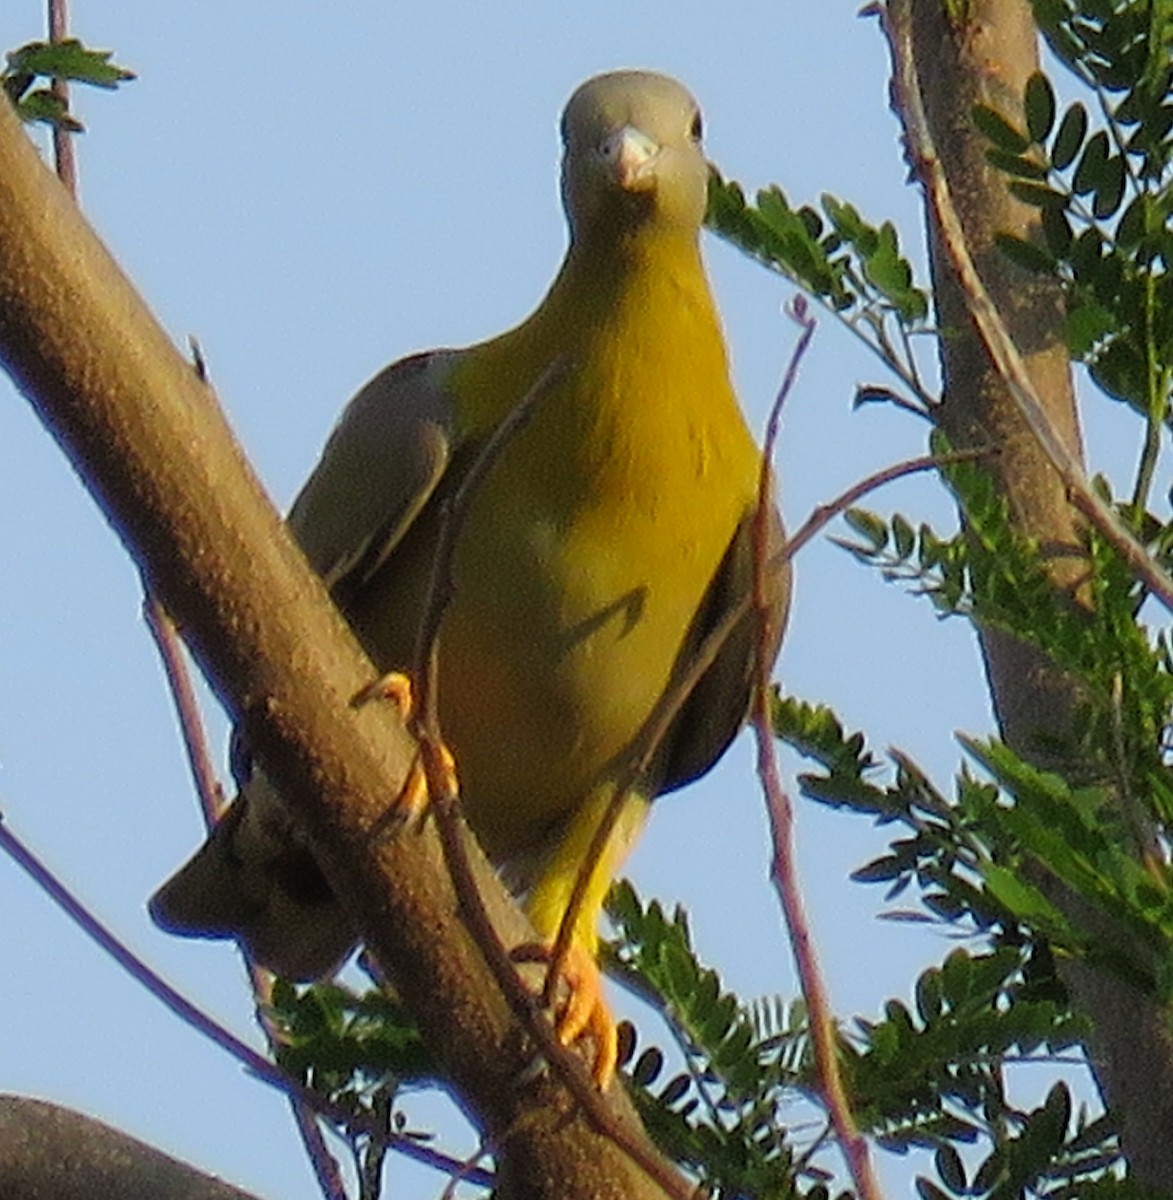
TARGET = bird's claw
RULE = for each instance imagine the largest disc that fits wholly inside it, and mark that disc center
(585, 1013)
(415, 795)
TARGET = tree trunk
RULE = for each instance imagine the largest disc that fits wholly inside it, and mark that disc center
(983, 52)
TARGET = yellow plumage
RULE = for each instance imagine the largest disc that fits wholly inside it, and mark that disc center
(610, 535)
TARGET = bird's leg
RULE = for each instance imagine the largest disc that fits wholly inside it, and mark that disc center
(434, 768)
(585, 1012)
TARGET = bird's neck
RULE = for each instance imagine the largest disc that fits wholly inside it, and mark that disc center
(624, 302)
(639, 270)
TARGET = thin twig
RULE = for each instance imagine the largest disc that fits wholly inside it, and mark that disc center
(784, 872)
(183, 1008)
(824, 514)
(799, 312)
(999, 345)
(449, 1192)
(570, 1068)
(444, 803)
(191, 728)
(212, 804)
(370, 1159)
(426, 710)
(668, 707)
(675, 697)
(821, 1023)
(325, 1166)
(64, 150)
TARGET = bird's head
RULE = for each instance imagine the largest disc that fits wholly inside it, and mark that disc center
(632, 155)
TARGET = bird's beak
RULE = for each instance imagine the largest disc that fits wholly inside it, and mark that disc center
(631, 155)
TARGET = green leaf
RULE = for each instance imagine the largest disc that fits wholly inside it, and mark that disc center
(950, 1168)
(1039, 105)
(1121, 371)
(868, 525)
(848, 223)
(1092, 163)
(1026, 902)
(903, 537)
(989, 1172)
(41, 105)
(1087, 325)
(648, 1067)
(1057, 231)
(879, 870)
(1109, 190)
(929, 996)
(675, 1090)
(1133, 223)
(70, 60)
(999, 130)
(1016, 164)
(1152, 132)
(926, 1189)
(1069, 139)
(892, 275)
(1038, 194)
(1058, 1108)
(1025, 254)
(1087, 252)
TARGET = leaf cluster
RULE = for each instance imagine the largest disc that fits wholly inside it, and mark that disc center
(349, 1047)
(1103, 190)
(722, 1116)
(931, 1078)
(1047, 1151)
(1094, 827)
(853, 268)
(30, 70)
(356, 1050)
(935, 1075)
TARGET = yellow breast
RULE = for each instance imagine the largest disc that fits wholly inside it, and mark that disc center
(588, 549)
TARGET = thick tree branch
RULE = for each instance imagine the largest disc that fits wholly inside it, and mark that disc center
(51, 1151)
(147, 439)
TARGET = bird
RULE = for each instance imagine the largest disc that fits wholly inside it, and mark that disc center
(613, 531)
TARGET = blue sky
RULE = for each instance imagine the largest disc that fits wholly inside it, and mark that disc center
(312, 196)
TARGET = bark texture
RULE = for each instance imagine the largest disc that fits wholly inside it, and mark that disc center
(983, 51)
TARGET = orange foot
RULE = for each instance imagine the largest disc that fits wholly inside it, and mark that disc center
(585, 1013)
(412, 801)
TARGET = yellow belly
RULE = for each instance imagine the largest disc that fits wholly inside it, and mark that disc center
(568, 615)
(589, 546)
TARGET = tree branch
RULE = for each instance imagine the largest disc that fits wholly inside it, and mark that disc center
(50, 1151)
(145, 436)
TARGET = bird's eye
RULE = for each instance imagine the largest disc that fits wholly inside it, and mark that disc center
(698, 127)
